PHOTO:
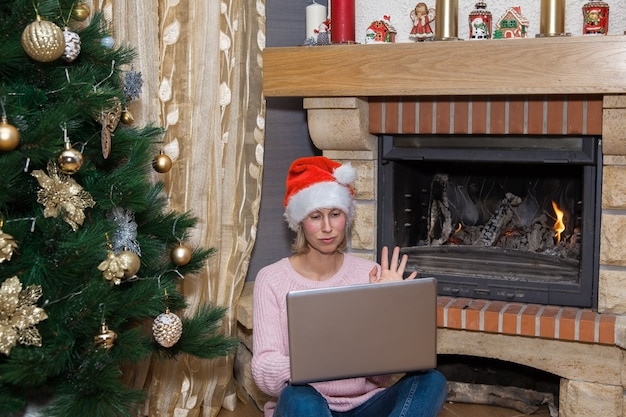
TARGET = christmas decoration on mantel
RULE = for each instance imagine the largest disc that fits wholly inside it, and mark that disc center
(88, 245)
(480, 22)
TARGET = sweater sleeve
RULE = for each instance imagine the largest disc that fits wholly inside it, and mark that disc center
(270, 360)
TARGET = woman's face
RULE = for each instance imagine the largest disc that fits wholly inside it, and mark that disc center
(325, 229)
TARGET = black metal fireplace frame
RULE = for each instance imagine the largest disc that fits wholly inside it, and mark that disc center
(584, 151)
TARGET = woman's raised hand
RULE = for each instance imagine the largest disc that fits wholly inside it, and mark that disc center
(391, 271)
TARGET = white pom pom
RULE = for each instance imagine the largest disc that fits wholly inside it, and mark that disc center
(345, 174)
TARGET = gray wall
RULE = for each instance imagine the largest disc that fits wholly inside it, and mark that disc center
(286, 138)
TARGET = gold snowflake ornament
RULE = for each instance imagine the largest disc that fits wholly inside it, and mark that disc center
(19, 315)
(62, 196)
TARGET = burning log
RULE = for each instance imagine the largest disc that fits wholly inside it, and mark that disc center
(500, 218)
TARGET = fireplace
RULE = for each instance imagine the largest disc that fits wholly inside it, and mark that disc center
(545, 86)
(511, 218)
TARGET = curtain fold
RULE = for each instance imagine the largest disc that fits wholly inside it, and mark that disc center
(201, 62)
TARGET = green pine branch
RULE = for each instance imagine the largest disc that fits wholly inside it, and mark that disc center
(70, 374)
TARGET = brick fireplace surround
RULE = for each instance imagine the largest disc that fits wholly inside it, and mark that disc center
(551, 85)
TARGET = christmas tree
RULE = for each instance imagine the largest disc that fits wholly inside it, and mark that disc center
(90, 256)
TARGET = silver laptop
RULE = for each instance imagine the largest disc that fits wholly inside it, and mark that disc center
(362, 330)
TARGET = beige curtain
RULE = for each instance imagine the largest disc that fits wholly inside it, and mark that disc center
(201, 65)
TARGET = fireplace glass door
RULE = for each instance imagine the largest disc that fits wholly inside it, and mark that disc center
(502, 218)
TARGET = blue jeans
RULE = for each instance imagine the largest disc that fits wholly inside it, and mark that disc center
(419, 394)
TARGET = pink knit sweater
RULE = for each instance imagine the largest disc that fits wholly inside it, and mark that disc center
(270, 363)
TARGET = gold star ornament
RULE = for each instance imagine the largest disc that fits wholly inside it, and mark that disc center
(62, 196)
(19, 315)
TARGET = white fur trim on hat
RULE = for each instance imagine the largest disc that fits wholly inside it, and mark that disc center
(321, 195)
(345, 174)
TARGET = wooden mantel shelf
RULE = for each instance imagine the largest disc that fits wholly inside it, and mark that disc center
(560, 65)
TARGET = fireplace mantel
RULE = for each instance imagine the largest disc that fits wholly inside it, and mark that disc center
(563, 65)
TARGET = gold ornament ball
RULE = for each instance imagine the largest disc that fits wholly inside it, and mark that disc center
(106, 337)
(9, 136)
(181, 255)
(43, 41)
(130, 262)
(70, 160)
(81, 12)
(127, 117)
(162, 163)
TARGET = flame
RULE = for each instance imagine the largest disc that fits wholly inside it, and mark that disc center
(559, 226)
(458, 228)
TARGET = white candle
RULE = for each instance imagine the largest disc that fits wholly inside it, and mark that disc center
(315, 15)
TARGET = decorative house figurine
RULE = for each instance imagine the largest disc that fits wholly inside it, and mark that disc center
(381, 31)
(422, 17)
(480, 22)
(595, 18)
(512, 24)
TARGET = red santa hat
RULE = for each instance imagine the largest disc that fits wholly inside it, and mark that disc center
(318, 182)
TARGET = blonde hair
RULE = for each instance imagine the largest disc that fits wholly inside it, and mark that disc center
(301, 246)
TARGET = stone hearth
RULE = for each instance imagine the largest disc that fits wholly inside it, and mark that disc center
(363, 90)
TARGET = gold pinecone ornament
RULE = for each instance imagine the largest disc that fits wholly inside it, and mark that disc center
(167, 329)
(43, 41)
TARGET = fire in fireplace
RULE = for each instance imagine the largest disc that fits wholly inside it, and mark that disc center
(503, 218)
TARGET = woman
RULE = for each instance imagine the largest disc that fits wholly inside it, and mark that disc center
(319, 207)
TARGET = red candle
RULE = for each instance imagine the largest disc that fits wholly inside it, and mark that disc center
(342, 21)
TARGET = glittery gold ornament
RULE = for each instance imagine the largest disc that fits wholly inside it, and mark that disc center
(167, 329)
(112, 268)
(106, 338)
(130, 263)
(80, 11)
(115, 267)
(62, 196)
(9, 136)
(43, 41)
(162, 163)
(109, 119)
(180, 255)
(7, 246)
(70, 160)
(19, 315)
